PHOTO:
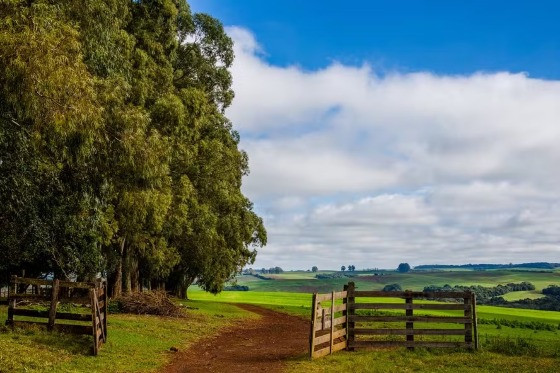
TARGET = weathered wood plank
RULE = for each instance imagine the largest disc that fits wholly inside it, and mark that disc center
(409, 324)
(64, 328)
(326, 338)
(45, 314)
(337, 321)
(16, 296)
(475, 321)
(404, 306)
(414, 294)
(409, 344)
(312, 328)
(458, 320)
(366, 331)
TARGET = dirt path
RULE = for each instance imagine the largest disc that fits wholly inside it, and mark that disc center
(249, 346)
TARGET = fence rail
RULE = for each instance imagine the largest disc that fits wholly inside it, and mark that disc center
(53, 292)
(335, 326)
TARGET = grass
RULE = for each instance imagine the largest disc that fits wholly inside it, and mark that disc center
(146, 338)
(522, 321)
(517, 295)
(401, 360)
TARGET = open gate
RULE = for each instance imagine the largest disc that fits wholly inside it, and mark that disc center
(339, 321)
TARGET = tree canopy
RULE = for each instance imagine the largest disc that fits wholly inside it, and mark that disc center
(116, 156)
(403, 267)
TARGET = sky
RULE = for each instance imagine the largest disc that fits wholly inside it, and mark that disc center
(398, 131)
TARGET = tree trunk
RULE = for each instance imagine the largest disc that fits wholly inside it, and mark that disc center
(127, 271)
(117, 286)
(134, 275)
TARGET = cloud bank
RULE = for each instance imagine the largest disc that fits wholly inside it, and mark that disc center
(350, 166)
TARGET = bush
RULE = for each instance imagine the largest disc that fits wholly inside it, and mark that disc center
(392, 287)
(236, 288)
(146, 303)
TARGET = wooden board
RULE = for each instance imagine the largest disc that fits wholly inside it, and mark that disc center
(63, 328)
(45, 314)
(413, 294)
(337, 321)
(458, 320)
(327, 337)
(366, 331)
(409, 344)
(404, 306)
(325, 351)
(337, 295)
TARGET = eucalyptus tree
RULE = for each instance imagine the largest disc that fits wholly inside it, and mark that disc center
(115, 153)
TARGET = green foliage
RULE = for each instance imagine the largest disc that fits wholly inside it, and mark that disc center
(115, 154)
(392, 287)
(403, 267)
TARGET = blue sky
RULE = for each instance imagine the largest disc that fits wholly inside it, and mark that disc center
(403, 131)
(455, 37)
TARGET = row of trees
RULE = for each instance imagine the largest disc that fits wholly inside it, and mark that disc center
(115, 153)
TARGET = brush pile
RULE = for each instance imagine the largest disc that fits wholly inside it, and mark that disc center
(148, 303)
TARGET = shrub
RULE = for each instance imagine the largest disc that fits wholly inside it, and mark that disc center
(236, 288)
(392, 287)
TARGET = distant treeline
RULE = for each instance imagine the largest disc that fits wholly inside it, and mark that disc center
(492, 296)
(481, 267)
(484, 293)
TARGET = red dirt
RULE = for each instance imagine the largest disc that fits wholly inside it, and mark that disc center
(249, 346)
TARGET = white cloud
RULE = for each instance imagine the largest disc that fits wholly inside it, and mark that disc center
(347, 163)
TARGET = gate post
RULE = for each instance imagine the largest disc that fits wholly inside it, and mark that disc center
(312, 332)
(351, 312)
(54, 304)
(12, 290)
(475, 322)
(409, 324)
(468, 314)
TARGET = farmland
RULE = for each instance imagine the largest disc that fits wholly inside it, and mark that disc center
(511, 339)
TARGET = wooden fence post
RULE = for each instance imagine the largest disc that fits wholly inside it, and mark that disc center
(106, 304)
(345, 313)
(409, 324)
(332, 323)
(468, 314)
(92, 297)
(12, 291)
(351, 312)
(54, 304)
(475, 321)
(312, 332)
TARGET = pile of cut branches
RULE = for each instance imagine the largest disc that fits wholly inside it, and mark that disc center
(147, 303)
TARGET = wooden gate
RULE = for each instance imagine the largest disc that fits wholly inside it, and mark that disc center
(24, 290)
(361, 312)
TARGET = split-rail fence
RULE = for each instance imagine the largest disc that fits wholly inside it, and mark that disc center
(339, 317)
(22, 291)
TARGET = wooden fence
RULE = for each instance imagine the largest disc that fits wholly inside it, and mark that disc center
(3, 295)
(94, 294)
(335, 327)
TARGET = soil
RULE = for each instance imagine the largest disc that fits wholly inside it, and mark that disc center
(260, 345)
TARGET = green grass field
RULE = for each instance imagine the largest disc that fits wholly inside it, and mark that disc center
(303, 281)
(503, 348)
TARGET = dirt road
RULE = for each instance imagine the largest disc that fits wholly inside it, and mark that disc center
(249, 346)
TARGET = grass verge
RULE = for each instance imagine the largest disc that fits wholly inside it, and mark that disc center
(136, 343)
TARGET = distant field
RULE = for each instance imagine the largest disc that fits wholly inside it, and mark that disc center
(517, 295)
(303, 281)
